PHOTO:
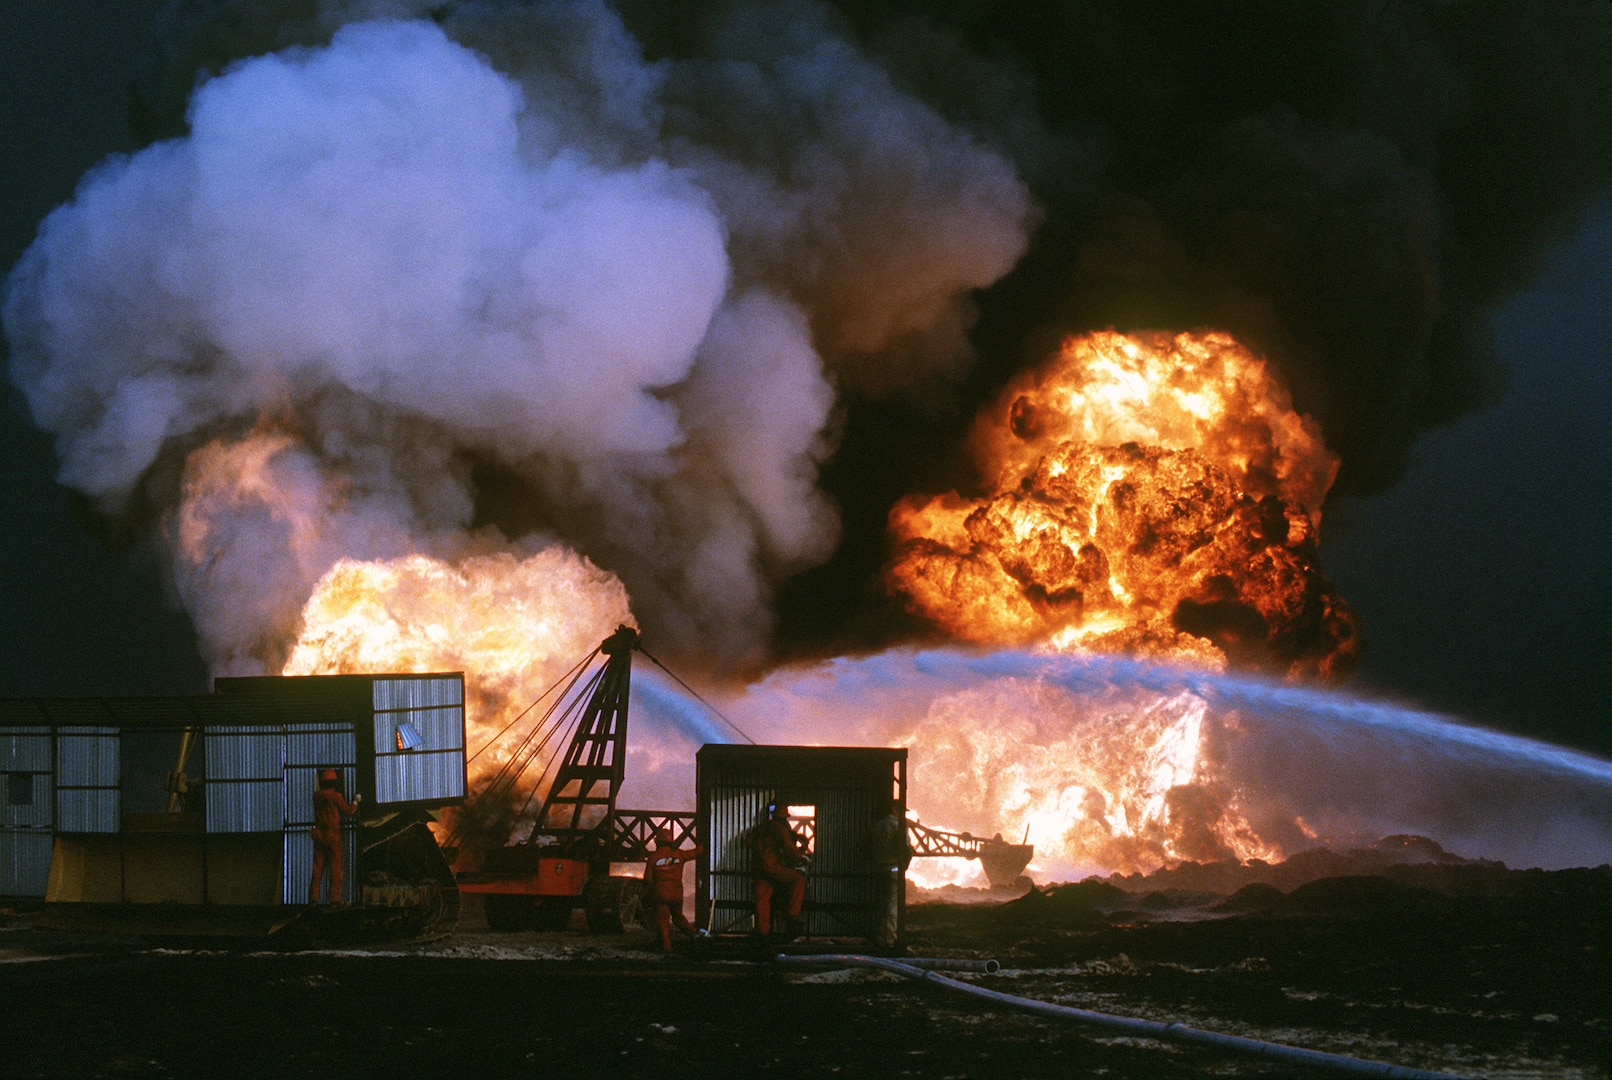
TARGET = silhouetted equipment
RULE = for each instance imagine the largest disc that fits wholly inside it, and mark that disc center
(579, 831)
(1002, 861)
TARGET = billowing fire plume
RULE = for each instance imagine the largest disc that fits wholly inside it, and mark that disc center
(1118, 782)
(1157, 496)
(512, 625)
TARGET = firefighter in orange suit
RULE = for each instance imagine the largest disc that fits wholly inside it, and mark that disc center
(778, 861)
(328, 807)
(663, 884)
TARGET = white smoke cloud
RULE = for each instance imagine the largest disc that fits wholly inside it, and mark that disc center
(633, 285)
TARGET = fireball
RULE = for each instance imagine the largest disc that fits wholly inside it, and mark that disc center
(1155, 496)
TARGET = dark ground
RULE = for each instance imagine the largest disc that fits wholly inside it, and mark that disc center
(1509, 985)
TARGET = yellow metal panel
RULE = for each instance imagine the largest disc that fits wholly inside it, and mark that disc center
(85, 869)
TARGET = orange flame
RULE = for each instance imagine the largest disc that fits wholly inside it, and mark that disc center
(513, 625)
(1120, 786)
(1154, 496)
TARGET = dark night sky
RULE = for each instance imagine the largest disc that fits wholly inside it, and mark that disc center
(1480, 576)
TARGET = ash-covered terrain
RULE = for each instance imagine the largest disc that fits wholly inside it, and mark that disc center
(1409, 956)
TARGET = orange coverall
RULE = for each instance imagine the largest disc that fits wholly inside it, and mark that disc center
(328, 807)
(663, 877)
(778, 848)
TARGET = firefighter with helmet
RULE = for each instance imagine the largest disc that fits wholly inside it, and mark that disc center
(328, 807)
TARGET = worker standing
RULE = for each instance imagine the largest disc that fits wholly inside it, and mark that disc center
(663, 881)
(778, 861)
(328, 807)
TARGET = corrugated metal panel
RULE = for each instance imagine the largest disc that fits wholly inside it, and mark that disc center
(419, 776)
(840, 886)
(417, 691)
(24, 862)
(299, 865)
(434, 706)
(87, 810)
(25, 749)
(87, 757)
(244, 753)
(238, 806)
(736, 811)
(245, 778)
(300, 784)
(320, 744)
(35, 814)
(87, 797)
(441, 728)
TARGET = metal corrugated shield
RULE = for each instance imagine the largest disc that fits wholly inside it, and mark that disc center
(417, 691)
(434, 705)
(24, 862)
(299, 864)
(25, 752)
(87, 777)
(320, 744)
(245, 778)
(25, 749)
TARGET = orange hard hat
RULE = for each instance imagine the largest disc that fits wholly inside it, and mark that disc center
(329, 774)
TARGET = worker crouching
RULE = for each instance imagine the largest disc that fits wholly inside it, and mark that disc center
(663, 885)
(778, 862)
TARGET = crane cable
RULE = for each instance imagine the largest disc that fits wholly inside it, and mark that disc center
(696, 696)
(526, 751)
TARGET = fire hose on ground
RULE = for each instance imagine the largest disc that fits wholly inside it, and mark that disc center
(928, 970)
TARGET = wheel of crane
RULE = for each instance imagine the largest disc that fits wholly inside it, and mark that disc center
(612, 904)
